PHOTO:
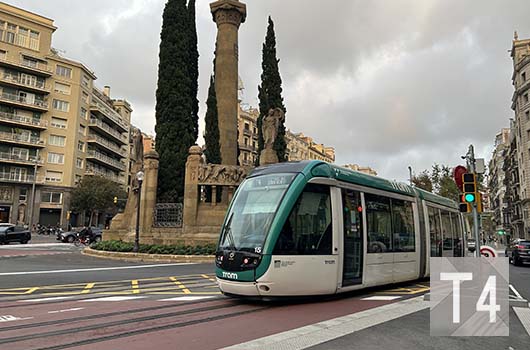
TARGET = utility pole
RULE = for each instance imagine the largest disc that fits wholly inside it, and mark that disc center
(32, 206)
(470, 156)
(410, 175)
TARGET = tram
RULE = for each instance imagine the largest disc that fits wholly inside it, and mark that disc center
(313, 228)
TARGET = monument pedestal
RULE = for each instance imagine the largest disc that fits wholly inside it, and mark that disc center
(268, 156)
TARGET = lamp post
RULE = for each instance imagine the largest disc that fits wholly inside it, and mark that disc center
(32, 206)
(140, 178)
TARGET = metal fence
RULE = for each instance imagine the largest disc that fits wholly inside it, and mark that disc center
(168, 215)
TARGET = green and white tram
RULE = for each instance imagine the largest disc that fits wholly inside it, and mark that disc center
(310, 228)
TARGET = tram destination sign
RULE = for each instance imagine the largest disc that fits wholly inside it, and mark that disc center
(469, 296)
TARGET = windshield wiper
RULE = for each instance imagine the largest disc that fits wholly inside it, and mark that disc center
(228, 232)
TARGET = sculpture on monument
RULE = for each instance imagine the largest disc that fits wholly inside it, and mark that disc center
(269, 128)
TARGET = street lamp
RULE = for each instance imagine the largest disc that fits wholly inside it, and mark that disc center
(140, 178)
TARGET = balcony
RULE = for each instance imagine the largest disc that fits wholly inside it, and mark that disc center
(107, 130)
(33, 67)
(93, 171)
(107, 145)
(20, 178)
(105, 160)
(22, 101)
(24, 139)
(25, 82)
(6, 157)
(248, 148)
(247, 132)
(99, 107)
(17, 120)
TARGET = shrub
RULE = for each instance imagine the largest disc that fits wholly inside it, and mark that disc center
(177, 249)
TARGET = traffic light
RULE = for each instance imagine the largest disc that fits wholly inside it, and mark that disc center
(469, 187)
(464, 206)
(115, 200)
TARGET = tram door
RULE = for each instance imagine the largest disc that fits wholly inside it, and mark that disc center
(353, 238)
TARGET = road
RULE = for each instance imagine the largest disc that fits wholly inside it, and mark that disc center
(52, 297)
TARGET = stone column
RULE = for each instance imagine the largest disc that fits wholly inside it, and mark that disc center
(191, 187)
(149, 187)
(228, 15)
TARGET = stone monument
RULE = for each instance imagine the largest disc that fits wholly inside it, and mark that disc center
(269, 129)
(228, 15)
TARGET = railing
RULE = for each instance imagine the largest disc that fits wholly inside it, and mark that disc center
(17, 177)
(108, 129)
(106, 143)
(107, 174)
(39, 66)
(24, 81)
(109, 112)
(168, 215)
(23, 100)
(20, 40)
(19, 158)
(21, 138)
(106, 159)
(10, 117)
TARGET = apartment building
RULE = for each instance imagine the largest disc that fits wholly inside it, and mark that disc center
(362, 169)
(302, 147)
(55, 125)
(248, 135)
(496, 179)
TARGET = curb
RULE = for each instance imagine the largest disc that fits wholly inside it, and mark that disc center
(142, 257)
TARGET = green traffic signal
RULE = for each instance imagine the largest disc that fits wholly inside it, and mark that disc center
(469, 197)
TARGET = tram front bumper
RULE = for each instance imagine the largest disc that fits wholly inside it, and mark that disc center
(238, 288)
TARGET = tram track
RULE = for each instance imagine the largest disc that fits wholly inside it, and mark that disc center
(69, 331)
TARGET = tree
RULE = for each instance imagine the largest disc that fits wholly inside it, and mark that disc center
(270, 92)
(439, 181)
(176, 95)
(211, 134)
(95, 194)
(423, 181)
(194, 66)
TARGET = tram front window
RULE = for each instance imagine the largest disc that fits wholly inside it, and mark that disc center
(252, 212)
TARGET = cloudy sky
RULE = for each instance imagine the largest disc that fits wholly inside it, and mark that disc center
(388, 83)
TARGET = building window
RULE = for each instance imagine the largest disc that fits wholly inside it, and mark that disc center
(63, 71)
(23, 195)
(60, 105)
(77, 178)
(58, 123)
(85, 81)
(527, 114)
(62, 88)
(54, 176)
(523, 76)
(84, 113)
(82, 129)
(51, 197)
(247, 127)
(525, 98)
(29, 62)
(81, 146)
(3, 54)
(55, 158)
(20, 36)
(85, 98)
(79, 163)
(57, 140)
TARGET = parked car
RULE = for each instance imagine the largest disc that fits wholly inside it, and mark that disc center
(70, 236)
(471, 245)
(12, 233)
(518, 251)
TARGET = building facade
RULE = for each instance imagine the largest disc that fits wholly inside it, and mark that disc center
(362, 169)
(496, 180)
(302, 147)
(520, 54)
(247, 121)
(55, 126)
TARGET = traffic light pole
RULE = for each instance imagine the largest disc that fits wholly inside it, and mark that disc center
(476, 232)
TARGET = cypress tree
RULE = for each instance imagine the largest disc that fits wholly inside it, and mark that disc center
(176, 127)
(194, 66)
(211, 133)
(270, 92)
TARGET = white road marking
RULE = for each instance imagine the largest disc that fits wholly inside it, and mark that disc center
(92, 270)
(111, 299)
(191, 298)
(516, 292)
(318, 333)
(10, 318)
(524, 316)
(43, 299)
(381, 297)
(66, 310)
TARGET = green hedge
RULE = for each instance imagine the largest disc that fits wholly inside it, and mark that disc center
(120, 246)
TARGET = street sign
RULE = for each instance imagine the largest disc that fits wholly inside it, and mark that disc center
(480, 167)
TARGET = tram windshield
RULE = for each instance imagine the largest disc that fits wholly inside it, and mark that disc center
(252, 212)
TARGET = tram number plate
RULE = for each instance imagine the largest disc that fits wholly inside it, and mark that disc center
(469, 296)
(283, 263)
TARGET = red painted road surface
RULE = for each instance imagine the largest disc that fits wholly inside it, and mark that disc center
(146, 323)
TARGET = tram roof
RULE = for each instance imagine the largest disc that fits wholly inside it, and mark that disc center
(314, 168)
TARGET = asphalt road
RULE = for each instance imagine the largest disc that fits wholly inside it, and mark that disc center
(52, 297)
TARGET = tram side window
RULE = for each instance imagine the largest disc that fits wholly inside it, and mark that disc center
(379, 223)
(447, 234)
(403, 226)
(308, 230)
(457, 235)
(435, 234)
